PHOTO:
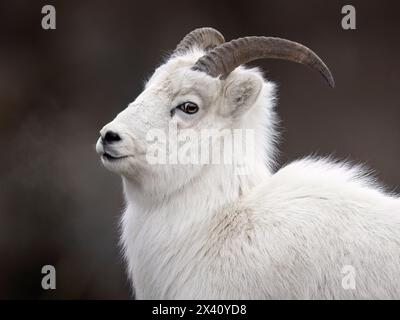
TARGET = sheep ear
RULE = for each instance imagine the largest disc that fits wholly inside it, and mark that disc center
(241, 93)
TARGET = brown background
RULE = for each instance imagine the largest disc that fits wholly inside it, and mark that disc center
(57, 88)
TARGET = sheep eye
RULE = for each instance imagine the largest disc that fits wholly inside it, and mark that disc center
(188, 107)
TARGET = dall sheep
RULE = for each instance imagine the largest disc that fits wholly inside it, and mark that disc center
(315, 229)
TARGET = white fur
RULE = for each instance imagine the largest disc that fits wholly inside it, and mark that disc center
(203, 232)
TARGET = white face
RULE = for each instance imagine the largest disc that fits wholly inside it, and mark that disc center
(124, 142)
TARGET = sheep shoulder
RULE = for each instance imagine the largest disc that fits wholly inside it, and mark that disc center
(292, 236)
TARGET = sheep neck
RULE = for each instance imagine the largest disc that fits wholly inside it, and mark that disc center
(199, 198)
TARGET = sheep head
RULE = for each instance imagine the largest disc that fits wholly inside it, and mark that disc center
(201, 87)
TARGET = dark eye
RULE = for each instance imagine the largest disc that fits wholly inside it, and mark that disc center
(188, 107)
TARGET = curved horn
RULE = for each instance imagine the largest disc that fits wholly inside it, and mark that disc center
(204, 38)
(223, 59)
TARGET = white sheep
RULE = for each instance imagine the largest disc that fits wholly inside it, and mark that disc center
(315, 229)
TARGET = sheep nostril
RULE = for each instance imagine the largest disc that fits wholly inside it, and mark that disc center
(111, 137)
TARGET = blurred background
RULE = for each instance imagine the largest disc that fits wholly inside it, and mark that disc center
(58, 206)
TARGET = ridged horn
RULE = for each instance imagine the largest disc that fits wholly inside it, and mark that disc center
(222, 60)
(203, 38)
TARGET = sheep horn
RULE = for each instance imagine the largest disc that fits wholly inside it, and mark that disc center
(204, 38)
(223, 59)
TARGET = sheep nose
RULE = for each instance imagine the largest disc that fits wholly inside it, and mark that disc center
(110, 137)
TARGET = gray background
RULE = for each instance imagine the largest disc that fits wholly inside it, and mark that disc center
(57, 88)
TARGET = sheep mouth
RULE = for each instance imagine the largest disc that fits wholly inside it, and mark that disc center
(108, 157)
